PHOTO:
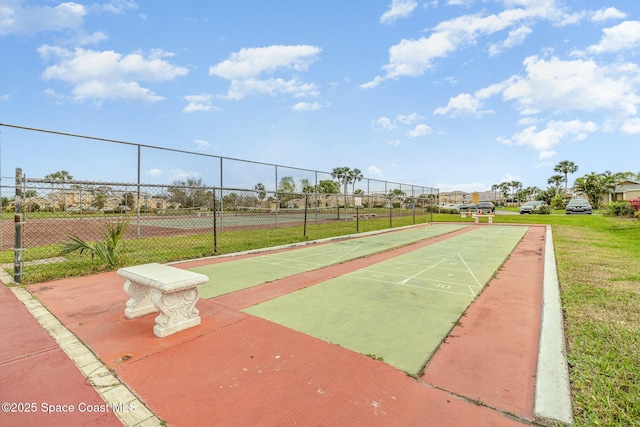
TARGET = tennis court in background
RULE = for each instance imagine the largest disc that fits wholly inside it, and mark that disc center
(398, 310)
(195, 218)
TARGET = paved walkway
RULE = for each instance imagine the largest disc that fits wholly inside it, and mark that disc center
(236, 369)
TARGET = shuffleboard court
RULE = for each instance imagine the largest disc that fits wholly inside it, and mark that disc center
(401, 309)
(240, 274)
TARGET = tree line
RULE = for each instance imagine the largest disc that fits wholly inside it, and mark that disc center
(593, 185)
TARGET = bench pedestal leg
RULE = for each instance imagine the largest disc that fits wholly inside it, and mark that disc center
(177, 311)
(140, 302)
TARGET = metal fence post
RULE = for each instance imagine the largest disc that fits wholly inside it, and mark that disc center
(138, 199)
(18, 250)
(215, 223)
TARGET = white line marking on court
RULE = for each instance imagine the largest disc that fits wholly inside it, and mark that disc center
(403, 282)
(433, 289)
(469, 269)
(347, 253)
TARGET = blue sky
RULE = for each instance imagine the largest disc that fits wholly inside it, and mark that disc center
(455, 94)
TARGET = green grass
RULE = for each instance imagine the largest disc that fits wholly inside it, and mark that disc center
(598, 268)
(599, 276)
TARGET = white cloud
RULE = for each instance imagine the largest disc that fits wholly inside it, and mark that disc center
(385, 123)
(546, 154)
(515, 38)
(398, 9)
(180, 175)
(101, 75)
(4, 97)
(240, 89)
(244, 68)
(631, 126)
(420, 130)
(408, 118)
(373, 170)
(394, 142)
(623, 36)
(583, 85)
(414, 57)
(461, 105)
(116, 7)
(251, 62)
(154, 172)
(306, 106)
(199, 103)
(555, 132)
(18, 19)
(606, 14)
(202, 145)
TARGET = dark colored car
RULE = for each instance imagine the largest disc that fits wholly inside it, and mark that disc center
(485, 207)
(578, 206)
(467, 208)
(532, 206)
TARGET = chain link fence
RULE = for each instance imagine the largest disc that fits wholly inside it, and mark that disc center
(210, 205)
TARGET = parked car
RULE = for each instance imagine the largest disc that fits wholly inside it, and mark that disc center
(578, 206)
(485, 207)
(532, 206)
(467, 208)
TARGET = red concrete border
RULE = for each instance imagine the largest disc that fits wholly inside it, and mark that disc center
(35, 373)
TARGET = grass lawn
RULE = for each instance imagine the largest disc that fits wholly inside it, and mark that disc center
(598, 268)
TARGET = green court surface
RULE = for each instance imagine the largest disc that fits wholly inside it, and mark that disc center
(244, 273)
(398, 310)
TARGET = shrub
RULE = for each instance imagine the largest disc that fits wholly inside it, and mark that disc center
(635, 203)
(544, 210)
(558, 201)
(624, 209)
(107, 251)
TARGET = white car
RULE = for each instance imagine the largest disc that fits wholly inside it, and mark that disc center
(532, 206)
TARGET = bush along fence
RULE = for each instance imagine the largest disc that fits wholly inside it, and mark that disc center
(66, 227)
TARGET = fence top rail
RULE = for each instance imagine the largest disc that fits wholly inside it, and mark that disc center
(175, 150)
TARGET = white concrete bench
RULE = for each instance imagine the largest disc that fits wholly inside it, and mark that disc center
(172, 291)
(478, 216)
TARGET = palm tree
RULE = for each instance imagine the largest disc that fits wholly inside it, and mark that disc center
(342, 175)
(504, 189)
(61, 177)
(596, 185)
(515, 186)
(260, 191)
(108, 251)
(555, 180)
(355, 175)
(565, 167)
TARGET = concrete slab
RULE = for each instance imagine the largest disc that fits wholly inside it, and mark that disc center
(39, 384)
(491, 355)
(235, 369)
(553, 391)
